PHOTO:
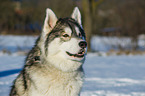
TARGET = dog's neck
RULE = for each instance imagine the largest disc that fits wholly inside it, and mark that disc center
(50, 69)
(50, 65)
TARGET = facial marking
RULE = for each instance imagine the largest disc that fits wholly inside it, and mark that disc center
(68, 31)
(77, 30)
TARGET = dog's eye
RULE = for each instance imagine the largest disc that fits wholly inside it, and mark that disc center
(65, 35)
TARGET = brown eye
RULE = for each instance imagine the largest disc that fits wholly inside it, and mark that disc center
(65, 35)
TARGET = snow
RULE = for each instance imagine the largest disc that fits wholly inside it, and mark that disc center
(104, 75)
(114, 76)
(103, 43)
(15, 43)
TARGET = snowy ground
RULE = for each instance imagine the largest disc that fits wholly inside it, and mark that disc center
(114, 76)
(105, 75)
(99, 43)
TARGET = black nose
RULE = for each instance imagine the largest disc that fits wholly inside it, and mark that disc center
(83, 44)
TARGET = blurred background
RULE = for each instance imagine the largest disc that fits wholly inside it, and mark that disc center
(115, 30)
(121, 20)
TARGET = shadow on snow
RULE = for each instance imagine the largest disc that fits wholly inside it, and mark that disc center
(9, 72)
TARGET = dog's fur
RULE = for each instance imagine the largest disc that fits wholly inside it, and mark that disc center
(54, 66)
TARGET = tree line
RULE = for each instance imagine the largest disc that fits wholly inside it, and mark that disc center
(101, 17)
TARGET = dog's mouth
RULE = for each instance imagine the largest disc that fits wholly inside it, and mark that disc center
(80, 54)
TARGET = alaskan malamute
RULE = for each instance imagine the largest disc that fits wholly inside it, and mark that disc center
(54, 66)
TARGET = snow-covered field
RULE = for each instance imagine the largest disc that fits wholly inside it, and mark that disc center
(99, 43)
(105, 75)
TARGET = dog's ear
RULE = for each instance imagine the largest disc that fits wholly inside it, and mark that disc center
(50, 21)
(77, 15)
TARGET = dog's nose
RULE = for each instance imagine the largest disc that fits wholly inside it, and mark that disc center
(83, 44)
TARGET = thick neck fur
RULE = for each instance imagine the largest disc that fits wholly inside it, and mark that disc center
(51, 64)
(57, 72)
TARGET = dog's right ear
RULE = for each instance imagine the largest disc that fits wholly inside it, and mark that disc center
(50, 21)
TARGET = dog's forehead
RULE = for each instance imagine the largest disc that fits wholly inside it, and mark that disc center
(69, 26)
(68, 30)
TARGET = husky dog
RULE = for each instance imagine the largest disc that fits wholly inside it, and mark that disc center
(54, 65)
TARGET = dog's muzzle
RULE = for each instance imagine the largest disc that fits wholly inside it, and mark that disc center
(81, 53)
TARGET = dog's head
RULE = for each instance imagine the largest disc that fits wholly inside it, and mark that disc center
(63, 41)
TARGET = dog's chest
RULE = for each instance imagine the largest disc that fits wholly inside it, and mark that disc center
(57, 85)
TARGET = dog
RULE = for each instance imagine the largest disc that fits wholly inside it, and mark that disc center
(54, 65)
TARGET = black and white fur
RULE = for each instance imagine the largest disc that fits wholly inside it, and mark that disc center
(54, 66)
